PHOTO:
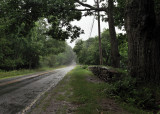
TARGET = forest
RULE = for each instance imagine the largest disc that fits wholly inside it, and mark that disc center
(24, 39)
(33, 34)
(88, 52)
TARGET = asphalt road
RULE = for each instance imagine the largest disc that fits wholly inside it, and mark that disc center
(18, 94)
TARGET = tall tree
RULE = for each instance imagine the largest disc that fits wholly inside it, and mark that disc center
(114, 42)
(26, 12)
(87, 51)
(99, 36)
(20, 43)
(143, 25)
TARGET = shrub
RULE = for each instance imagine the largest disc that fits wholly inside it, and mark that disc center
(130, 92)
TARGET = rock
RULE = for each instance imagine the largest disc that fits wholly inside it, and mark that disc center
(105, 73)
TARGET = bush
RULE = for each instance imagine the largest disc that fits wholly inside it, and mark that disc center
(127, 90)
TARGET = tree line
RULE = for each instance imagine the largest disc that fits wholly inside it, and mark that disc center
(140, 20)
(88, 52)
(34, 50)
(31, 33)
(18, 25)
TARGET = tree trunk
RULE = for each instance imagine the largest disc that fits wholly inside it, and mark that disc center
(115, 56)
(99, 36)
(143, 40)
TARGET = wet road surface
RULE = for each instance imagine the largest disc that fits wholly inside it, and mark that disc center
(20, 95)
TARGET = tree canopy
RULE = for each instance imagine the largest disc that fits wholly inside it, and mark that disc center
(28, 26)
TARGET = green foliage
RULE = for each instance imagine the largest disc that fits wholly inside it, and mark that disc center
(25, 52)
(28, 26)
(20, 16)
(123, 50)
(127, 90)
(119, 13)
(64, 58)
(88, 51)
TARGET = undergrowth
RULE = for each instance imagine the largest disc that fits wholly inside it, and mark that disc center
(131, 93)
(87, 93)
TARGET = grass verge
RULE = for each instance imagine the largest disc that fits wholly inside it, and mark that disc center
(22, 72)
(80, 92)
(85, 93)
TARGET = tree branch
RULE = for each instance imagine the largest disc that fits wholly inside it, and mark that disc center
(91, 7)
(85, 5)
(83, 9)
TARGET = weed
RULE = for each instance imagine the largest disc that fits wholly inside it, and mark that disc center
(127, 90)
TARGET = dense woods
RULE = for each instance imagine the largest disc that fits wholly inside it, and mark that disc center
(33, 33)
(88, 54)
(137, 51)
(28, 31)
(140, 19)
(33, 50)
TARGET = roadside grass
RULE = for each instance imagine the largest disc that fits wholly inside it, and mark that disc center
(84, 92)
(74, 89)
(22, 72)
(61, 92)
(86, 96)
(89, 94)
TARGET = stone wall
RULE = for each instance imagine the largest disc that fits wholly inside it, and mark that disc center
(105, 73)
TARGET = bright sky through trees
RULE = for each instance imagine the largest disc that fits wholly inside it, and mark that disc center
(86, 23)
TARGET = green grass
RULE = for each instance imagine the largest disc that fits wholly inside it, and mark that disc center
(62, 87)
(88, 94)
(85, 95)
(84, 92)
(75, 89)
(22, 72)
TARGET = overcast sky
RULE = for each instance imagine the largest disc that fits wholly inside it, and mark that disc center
(86, 23)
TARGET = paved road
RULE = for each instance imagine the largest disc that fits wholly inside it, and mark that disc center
(20, 95)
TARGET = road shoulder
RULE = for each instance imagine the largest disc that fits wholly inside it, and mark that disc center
(79, 92)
